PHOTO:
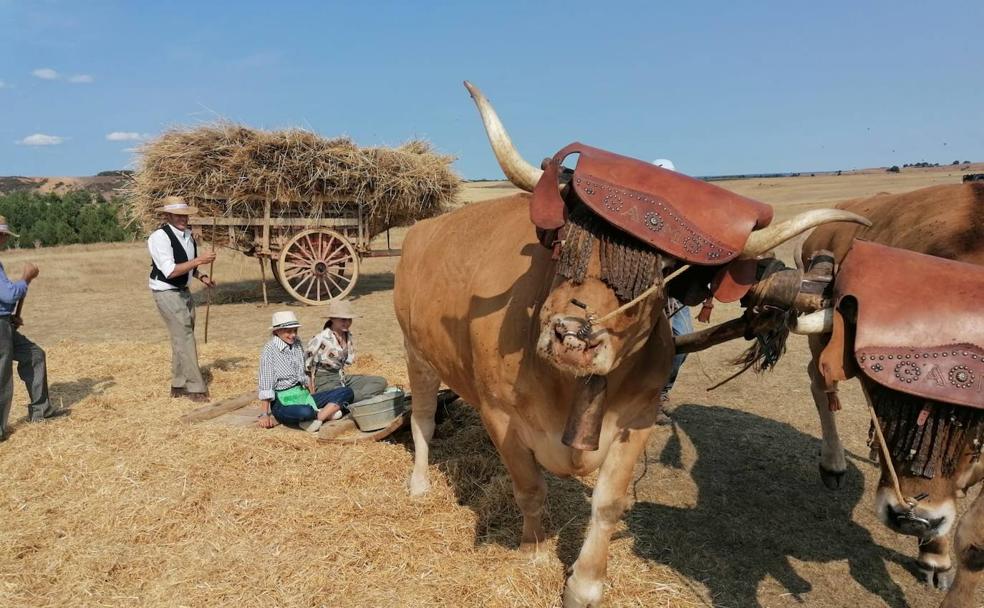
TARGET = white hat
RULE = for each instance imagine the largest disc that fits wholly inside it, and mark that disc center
(665, 163)
(5, 227)
(177, 206)
(284, 319)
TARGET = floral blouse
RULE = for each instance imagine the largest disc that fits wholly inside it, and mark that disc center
(325, 350)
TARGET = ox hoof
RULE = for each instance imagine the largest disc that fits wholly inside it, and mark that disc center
(419, 485)
(581, 594)
(937, 579)
(831, 479)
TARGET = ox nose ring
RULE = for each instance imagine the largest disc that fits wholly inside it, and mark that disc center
(585, 331)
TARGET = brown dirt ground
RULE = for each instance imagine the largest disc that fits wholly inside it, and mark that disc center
(119, 504)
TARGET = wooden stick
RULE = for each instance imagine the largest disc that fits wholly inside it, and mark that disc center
(208, 294)
(263, 280)
(712, 336)
(214, 410)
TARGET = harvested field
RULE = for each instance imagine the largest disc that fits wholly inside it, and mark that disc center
(120, 504)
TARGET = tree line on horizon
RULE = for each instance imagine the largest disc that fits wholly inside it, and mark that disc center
(79, 216)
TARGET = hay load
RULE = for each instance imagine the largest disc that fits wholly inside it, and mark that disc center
(229, 170)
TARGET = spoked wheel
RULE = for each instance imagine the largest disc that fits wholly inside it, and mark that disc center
(318, 265)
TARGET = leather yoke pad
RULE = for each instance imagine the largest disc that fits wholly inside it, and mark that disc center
(689, 219)
(920, 321)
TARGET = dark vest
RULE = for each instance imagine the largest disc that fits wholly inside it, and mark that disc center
(180, 257)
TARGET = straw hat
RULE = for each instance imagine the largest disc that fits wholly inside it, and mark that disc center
(284, 319)
(340, 309)
(177, 206)
(5, 227)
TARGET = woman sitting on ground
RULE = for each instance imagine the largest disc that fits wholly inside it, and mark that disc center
(331, 351)
(284, 386)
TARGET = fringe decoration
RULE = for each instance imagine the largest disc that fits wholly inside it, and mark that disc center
(947, 433)
(628, 266)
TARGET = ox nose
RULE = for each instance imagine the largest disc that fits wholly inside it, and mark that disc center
(912, 522)
(574, 333)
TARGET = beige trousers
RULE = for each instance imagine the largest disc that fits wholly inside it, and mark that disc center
(178, 311)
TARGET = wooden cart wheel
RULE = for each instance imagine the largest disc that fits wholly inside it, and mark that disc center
(318, 265)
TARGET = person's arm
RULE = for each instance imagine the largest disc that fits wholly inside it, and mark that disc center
(12, 291)
(265, 393)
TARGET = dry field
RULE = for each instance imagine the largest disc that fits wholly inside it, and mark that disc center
(120, 504)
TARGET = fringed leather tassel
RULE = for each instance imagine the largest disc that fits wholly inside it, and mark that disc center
(833, 401)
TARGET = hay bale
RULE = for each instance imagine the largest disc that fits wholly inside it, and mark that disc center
(227, 170)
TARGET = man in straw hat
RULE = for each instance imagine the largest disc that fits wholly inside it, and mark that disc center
(174, 258)
(14, 346)
(331, 351)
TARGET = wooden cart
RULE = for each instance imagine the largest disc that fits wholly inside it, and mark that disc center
(314, 259)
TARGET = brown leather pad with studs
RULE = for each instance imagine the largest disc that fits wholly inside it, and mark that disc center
(920, 321)
(689, 219)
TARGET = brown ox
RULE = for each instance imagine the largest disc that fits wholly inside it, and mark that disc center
(482, 309)
(945, 221)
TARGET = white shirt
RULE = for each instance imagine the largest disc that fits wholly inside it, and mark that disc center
(160, 251)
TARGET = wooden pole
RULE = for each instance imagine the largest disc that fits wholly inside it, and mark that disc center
(19, 307)
(263, 279)
(208, 293)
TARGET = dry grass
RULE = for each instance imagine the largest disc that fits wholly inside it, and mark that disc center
(226, 168)
(120, 504)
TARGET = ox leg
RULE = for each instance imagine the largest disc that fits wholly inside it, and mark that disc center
(529, 486)
(970, 557)
(833, 464)
(586, 585)
(934, 562)
(424, 384)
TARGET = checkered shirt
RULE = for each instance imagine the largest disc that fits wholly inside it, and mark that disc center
(281, 367)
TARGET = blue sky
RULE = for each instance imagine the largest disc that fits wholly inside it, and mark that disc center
(718, 87)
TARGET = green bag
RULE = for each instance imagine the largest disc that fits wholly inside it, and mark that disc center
(296, 395)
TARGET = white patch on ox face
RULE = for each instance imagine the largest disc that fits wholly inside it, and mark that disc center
(885, 499)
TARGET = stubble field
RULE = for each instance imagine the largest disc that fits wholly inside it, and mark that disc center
(120, 504)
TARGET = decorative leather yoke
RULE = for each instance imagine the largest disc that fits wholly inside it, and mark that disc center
(689, 219)
(920, 326)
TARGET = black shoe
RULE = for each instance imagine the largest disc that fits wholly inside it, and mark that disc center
(52, 413)
(177, 391)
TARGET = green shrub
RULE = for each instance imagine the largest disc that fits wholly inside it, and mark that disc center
(76, 217)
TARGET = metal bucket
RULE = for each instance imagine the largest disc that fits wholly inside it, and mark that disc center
(376, 412)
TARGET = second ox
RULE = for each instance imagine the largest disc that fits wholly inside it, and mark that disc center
(927, 387)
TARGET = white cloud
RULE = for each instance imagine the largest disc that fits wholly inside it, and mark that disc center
(45, 74)
(81, 79)
(2, 84)
(125, 136)
(40, 139)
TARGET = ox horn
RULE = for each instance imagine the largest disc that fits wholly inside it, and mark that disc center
(520, 173)
(818, 322)
(770, 237)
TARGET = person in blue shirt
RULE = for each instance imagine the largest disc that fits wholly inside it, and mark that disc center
(31, 366)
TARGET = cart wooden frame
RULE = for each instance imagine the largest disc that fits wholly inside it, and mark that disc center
(314, 259)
